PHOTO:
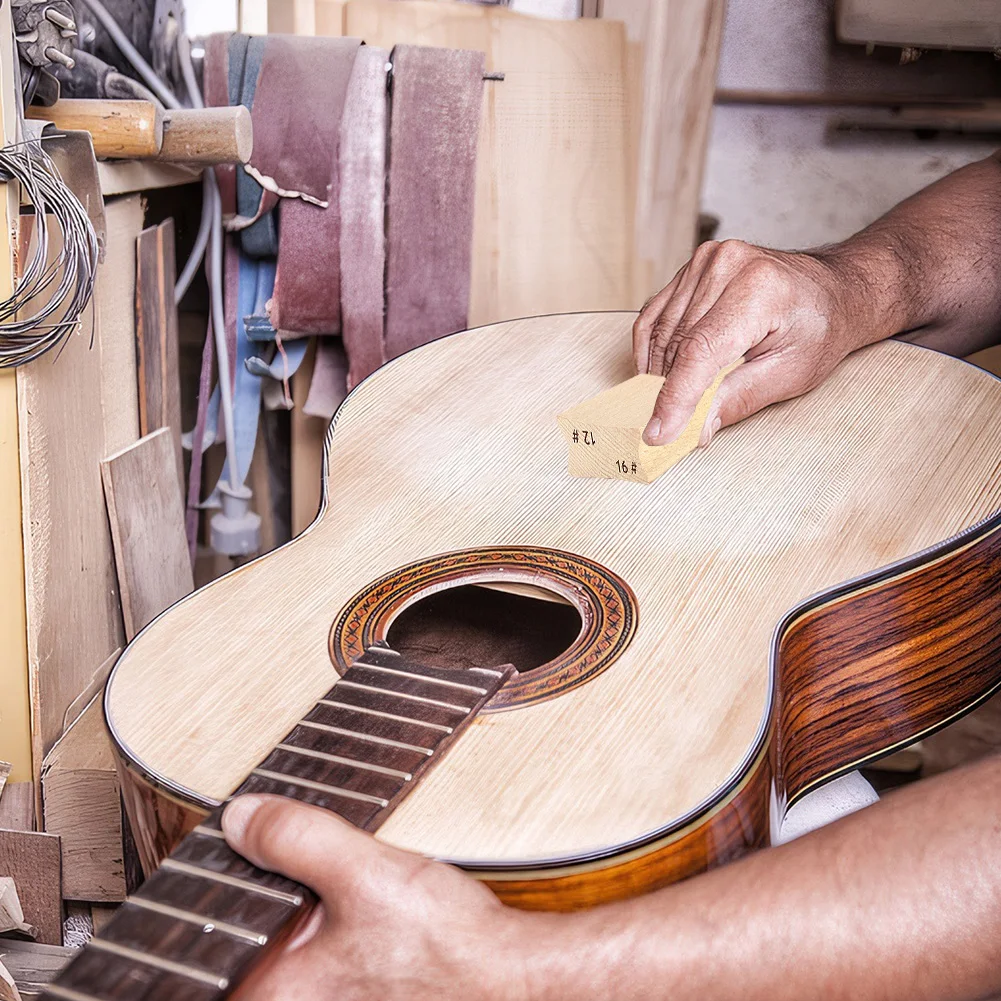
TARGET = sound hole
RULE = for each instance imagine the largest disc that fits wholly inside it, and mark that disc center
(482, 626)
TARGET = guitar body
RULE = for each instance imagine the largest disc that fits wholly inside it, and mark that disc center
(818, 587)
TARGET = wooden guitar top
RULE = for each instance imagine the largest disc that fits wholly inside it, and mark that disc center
(455, 446)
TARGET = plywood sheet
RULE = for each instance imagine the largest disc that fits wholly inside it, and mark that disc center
(674, 51)
(73, 410)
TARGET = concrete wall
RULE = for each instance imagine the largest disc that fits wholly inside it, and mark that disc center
(781, 176)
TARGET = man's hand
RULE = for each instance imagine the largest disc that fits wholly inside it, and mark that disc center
(391, 926)
(788, 315)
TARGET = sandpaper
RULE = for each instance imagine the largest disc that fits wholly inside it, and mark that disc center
(434, 129)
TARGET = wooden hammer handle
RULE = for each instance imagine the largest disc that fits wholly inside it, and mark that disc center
(121, 129)
(207, 135)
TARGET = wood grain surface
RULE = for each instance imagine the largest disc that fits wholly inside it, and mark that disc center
(146, 514)
(897, 451)
(120, 129)
(32, 859)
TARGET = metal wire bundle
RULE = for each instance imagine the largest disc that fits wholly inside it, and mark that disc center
(58, 291)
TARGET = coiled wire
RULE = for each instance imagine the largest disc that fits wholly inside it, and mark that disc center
(50, 297)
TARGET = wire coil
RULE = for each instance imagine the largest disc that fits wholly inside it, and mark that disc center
(51, 296)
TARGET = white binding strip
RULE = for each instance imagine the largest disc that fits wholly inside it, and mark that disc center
(168, 965)
(382, 715)
(341, 732)
(404, 695)
(174, 865)
(362, 797)
(338, 760)
(420, 677)
(67, 993)
(207, 924)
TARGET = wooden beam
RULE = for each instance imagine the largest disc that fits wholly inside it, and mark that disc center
(120, 129)
(156, 336)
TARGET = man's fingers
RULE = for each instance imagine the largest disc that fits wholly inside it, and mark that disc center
(729, 329)
(644, 323)
(302, 842)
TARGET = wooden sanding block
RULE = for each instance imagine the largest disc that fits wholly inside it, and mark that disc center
(605, 433)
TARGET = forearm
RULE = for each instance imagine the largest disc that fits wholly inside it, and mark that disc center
(901, 901)
(930, 269)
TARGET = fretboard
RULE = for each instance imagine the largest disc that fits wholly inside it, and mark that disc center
(202, 921)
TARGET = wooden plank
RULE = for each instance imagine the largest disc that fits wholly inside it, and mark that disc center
(17, 806)
(146, 513)
(15, 702)
(32, 860)
(8, 989)
(156, 336)
(945, 24)
(126, 176)
(33, 966)
(82, 804)
(674, 50)
(73, 411)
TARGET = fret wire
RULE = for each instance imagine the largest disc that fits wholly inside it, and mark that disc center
(167, 965)
(342, 732)
(419, 677)
(338, 760)
(403, 695)
(208, 832)
(174, 865)
(320, 786)
(208, 924)
(382, 715)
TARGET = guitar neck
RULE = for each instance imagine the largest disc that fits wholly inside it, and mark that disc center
(207, 916)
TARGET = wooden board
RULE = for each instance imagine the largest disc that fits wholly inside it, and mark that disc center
(17, 806)
(803, 496)
(552, 225)
(32, 860)
(33, 966)
(605, 434)
(945, 24)
(146, 514)
(82, 804)
(156, 336)
(73, 411)
(674, 49)
(306, 457)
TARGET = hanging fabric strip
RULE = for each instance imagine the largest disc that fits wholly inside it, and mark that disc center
(434, 128)
(297, 114)
(362, 163)
(307, 297)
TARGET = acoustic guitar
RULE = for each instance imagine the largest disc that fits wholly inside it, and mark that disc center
(817, 588)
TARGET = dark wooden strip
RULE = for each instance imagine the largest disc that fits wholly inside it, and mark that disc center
(395, 704)
(216, 901)
(356, 721)
(355, 812)
(880, 667)
(214, 855)
(459, 693)
(355, 748)
(346, 777)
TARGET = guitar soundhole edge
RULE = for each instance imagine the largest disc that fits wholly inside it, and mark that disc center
(605, 603)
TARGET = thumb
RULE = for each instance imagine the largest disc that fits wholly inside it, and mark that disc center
(293, 839)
